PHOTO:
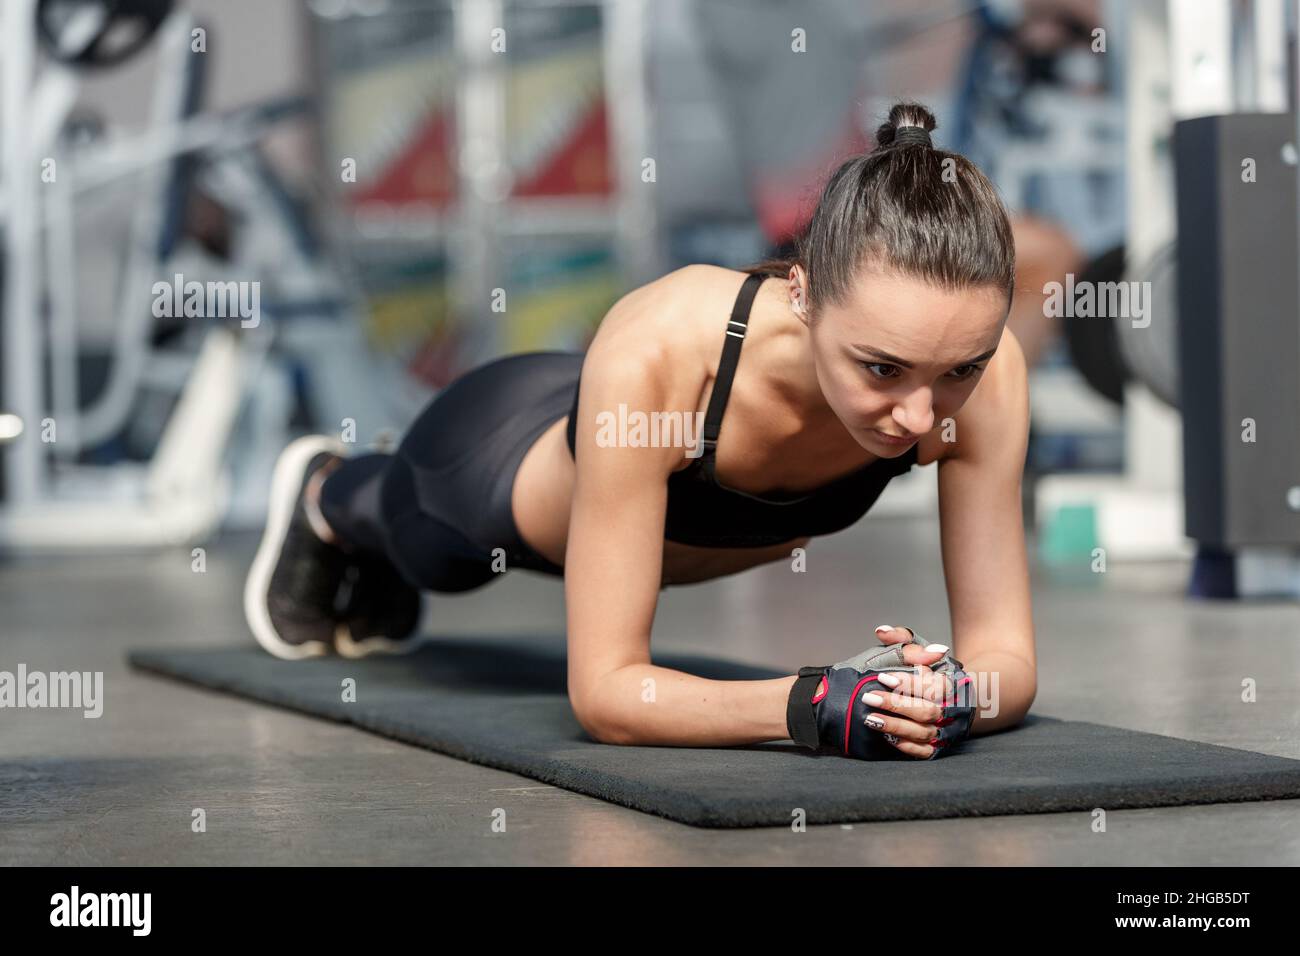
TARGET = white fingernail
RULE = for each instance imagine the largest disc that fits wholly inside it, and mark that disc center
(889, 680)
(884, 627)
(874, 700)
(938, 648)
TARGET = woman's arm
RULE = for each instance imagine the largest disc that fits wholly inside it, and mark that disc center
(613, 574)
(983, 542)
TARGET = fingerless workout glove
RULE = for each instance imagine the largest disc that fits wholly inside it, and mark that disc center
(826, 711)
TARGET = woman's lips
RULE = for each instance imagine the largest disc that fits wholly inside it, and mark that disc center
(889, 439)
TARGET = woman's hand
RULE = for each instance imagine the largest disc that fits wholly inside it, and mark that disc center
(849, 707)
(914, 700)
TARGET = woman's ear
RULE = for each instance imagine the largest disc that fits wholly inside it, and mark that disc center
(797, 289)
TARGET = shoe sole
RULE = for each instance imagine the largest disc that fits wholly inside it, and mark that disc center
(286, 482)
(345, 646)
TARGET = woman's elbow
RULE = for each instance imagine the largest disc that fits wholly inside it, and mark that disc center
(1001, 707)
(1021, 702)
(1028, 690)
(595, 718)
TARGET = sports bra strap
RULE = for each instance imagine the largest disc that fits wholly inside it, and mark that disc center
(727, 364)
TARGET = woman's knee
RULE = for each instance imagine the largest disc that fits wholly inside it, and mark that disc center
(432, 555)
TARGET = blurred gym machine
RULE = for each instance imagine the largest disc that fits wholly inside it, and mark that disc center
(476, 171)
(1210, 376)
(1042, 112)
(200, 373)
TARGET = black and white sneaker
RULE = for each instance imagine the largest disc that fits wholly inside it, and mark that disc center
(380, 611)
(292, 592)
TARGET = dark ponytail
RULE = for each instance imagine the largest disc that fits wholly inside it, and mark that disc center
(908, 207)
(905, 116)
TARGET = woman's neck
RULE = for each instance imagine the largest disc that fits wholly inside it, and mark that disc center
(786, 351)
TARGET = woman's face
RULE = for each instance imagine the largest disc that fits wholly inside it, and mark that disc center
(899, 355)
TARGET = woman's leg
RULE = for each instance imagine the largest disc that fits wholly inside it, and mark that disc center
(439, 509)
(350, 542)
(350, 515)
(369, 504)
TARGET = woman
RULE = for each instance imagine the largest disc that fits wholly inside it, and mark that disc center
(880, 346)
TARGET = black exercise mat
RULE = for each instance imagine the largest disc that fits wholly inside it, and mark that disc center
(502, 703)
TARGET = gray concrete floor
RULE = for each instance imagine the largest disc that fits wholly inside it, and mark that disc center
(281, 788)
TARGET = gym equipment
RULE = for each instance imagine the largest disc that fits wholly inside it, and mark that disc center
(553, 174)
(1150, 351)
(1093, 344)
(453, 696)
(781, 161)
(199, 372)
(98, 33)
(177, 497)
(1185, 61)
(1020, 116)
(1240, 341)
(1111, 350)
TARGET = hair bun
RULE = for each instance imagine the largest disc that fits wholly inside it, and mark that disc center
(908, 123)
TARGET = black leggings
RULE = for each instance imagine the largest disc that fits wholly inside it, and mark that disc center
(438, 509)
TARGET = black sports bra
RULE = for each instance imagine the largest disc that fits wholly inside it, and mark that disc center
(703, 511)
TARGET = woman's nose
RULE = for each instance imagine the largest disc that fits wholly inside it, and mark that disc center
(915, 414)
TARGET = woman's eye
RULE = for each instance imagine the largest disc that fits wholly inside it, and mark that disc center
(960, 373)
(871, 367)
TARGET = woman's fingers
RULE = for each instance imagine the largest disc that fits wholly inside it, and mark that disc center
(913, 709)
(912, 653)
(888, 634)
(915, 655)
(923, 683)
(921, 751)
(909, 736)
(912, 704)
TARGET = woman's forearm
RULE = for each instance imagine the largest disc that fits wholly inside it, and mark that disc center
(1005, 687)
(658, 706)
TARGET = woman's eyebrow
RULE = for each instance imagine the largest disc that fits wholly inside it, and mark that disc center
(904, 363)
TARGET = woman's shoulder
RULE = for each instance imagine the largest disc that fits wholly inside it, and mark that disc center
(673, 322)
(692, 290)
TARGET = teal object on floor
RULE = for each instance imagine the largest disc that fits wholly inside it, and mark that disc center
(1070, 535)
